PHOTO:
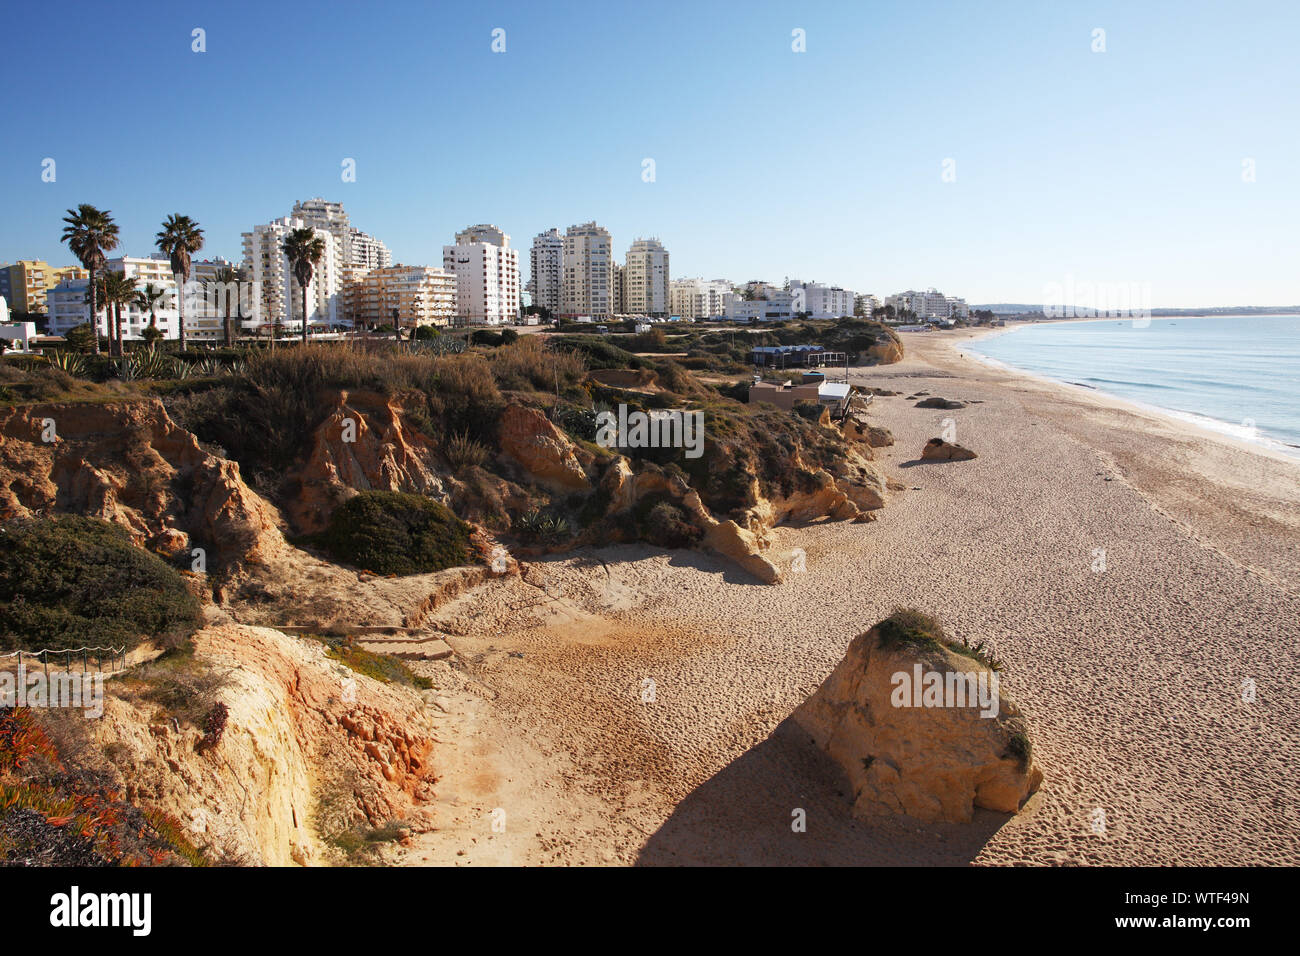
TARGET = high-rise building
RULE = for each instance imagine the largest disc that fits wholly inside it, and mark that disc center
(487, 276)
(588, 280)
(353, 246)
(366, 251)
(280, 299)
(645, 278)
(698, 298)
(420, 295)
(546, 260)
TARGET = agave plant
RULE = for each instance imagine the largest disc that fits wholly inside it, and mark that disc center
(144, 363)
(207, 367)
(73, 363)
(179, 368)
(538, 524)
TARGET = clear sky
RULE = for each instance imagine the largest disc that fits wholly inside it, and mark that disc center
(1123, 166)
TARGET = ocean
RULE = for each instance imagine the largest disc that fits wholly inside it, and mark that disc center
(1237, 375)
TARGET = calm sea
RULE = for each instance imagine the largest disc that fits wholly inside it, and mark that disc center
(1238, 375)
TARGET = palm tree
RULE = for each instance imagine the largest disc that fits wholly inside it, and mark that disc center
(90, 233)
(180, 237)
(223, 280)
(305, 249)
(115, 289)
(119, 291)
(147, 299)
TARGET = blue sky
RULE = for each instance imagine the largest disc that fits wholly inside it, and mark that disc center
(1123, 166)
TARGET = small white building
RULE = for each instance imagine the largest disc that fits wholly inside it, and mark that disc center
(21, 333)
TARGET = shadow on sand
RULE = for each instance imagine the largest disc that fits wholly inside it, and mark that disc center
(742, 816)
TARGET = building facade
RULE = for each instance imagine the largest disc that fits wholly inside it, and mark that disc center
(645, 279)
(25, 283)
(589, 279)
(353, 247)
(768, 305)
(820, 301)
(278, 297)
(420, 295)
(698, 298)
(487, 276)
(68, 308)
(546, 262)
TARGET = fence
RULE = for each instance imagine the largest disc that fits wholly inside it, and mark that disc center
(116, 657)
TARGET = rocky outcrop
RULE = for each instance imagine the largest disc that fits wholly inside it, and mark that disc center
(530, 440)
(857, 428)
(907, 748)
(131, 464)
(364, 444)
(936, 449)
(937, 402)
(304, 735)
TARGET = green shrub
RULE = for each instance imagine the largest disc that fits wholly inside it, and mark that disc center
(664, 524)
(908, 626)
(71, 581)
(391, 532)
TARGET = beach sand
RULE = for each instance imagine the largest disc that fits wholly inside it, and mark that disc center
(1131, 677)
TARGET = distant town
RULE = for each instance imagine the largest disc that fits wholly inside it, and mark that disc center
(574, 276)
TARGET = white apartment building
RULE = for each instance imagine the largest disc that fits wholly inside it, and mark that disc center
(821, 301)
(865, 304)
(366, 251)
(421, 295)
(930, 304)
(697, 298)
(772, 305)
(68, 308)
(487, 276)
(354, 246)
(589, 273)
(546, 262)
(645, 279)
(279, 298)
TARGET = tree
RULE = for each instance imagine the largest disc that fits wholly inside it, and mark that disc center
(180, 237)
(146, 300)
(90, 233)
(119, 290)
(305, 250)
(82, 338)
(223, 280)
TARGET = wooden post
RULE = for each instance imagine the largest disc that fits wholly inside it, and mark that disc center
(45, 655)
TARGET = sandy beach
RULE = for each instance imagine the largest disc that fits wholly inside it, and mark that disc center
(629, 705)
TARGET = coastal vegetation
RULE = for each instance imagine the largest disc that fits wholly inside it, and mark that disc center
(391, 532)
(67, 577)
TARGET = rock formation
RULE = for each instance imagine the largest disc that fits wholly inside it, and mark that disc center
(129, 463)
(937, 402)
(301, 728)
(905, 750)
(530, 440)
(936, 449)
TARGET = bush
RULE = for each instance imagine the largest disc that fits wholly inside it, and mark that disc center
(391, 532)
(72, 581)
(663, 524)
(464, 452)
(910, 627)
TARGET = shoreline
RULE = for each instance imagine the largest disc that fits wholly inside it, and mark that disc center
(1264, 445)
